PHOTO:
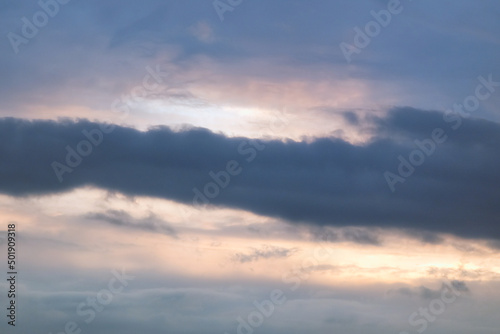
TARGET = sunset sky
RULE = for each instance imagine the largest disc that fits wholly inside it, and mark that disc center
(237, 166)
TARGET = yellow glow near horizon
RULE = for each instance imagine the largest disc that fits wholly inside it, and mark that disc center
(207, 243)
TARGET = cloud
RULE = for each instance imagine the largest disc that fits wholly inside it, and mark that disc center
(325, 182)
(122, 218)
(203, 32)
(426, 293)
(425, 236)
(464, 273)
(321, 268)
(349, 233)
(266, 252)
(281, 45)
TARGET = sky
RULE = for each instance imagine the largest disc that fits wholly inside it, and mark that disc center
(240, 167)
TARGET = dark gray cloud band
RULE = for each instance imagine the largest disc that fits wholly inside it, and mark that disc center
(324, 182)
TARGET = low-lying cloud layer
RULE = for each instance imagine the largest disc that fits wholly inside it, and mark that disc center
(325, 182)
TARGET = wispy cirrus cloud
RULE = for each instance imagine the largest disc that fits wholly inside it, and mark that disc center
(123, 219)
(265, 252)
